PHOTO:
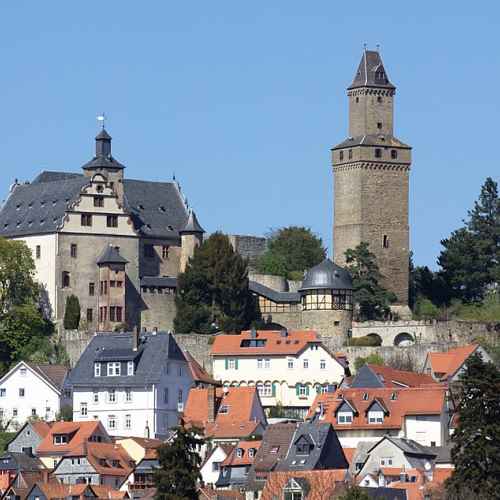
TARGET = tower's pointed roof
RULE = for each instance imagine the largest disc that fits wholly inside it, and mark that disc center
(371, 72)
(103, 157)
(192, 225)
(111, 255)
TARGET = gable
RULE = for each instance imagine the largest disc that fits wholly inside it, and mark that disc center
(376, 406)
(15, 371)
(365, 377)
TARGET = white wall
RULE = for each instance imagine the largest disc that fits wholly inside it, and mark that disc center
(207, 474)
(38, 395)
(424, 429)
(278, 373)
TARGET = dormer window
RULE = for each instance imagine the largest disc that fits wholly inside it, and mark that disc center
(60, 439)
(97, 369)
(130, 368)
(344, 417)
(239, 452)
(365, 396)
(303, 447)
(224, 410)
(114, 369)
(375, 417)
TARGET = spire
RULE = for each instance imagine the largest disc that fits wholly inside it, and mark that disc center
(371, 72)
(103, 158)
(192, 225)
(103, 144)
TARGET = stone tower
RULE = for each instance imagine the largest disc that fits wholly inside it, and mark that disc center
(371, 173)
(191, 237)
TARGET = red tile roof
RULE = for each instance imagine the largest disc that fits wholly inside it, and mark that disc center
(322, 483)
(448, 363)
(54, 374)
(198, 373)
(232, 460)
(109, 459)
(206, 493)
(103, 491)
(349, 454)
(275, 343)
(408, 401)
(390, 377)
(41, 428)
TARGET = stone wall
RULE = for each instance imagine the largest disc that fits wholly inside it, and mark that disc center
(159, 309)
(251, 247)
(75, 343)
(199, 347)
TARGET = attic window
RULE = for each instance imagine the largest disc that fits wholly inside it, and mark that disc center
(239, 452)
(42, 221)
(170, 228)
(140, 207)
(30, 223)
(162, 208)
(394, 396)
(365, 396)
(18, 206)
(42, 203)
(224, 410)
(18, 223)
(54, 203)
(30, 204)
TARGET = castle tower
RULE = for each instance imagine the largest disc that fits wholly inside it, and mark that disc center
(371, 173)
(112, 282)
(191, 237)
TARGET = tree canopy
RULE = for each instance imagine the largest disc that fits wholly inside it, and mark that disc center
(213, 292)
(291, 251)
(476, 450)
(179, 467)
(371, 299)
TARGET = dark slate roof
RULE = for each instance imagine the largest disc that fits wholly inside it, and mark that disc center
(20, 462)
(159, 281)
(147, 465)
(154, 350)
(326, 452)
(371, 72)
(103, 157)
(157, 209)
(111, 255)
(408, 446)
(382, 140)
(386, 493)
(443, 453)
(271, 294)
(327, 275)
(192, 225)
(365, 377)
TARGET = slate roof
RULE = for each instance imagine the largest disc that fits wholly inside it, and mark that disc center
(111, 255)
(157, 209)
(371, 72)
(192, 225)
(381, 140)
(159, 281)
(19, 462)
(154, 350)
(408, 446)
(373, 376)
(327, 275)
(269, 293)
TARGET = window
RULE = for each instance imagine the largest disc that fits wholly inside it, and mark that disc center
(378, 153)
(98, 201)
(128, 395)
(302, 391)
(267, 363)
(164, 252)
(322, 364)
(303, 448)
(111, 396)
(232, 364)
(290, 363)
(21, 392)
(274, 450)
(357, 100)
(268, 390)
(112, 314)
(379, 125)
(22, 371)
(128, 421)
(114, 369)
(341, 155)
(130, 368)
(375, 417)
(180, 372)
(97, 369)
(350, 154)
(251, 452)
(65, 279)
(259, 363)
(385, 241)
(112, 220)
(365, 396)
(83, 409)
(118, 314)
(149, 251)
(38, 251)
(119, 284)
(33, 412)
(103, 314)
(3, 392)
(344, 417)
(104, 287)
(386, 461)
(60, 439)
(215, 466)
(111, 422)
(379, 99)
(14, 412)
(394, 154)
(90, 315)
(165, 395)
(179, 396)
(224, 410)
(305, 364)
(112, 284)
(95, 396)
(239, 452)
(91, 289)
(73, 250)
(86, 220)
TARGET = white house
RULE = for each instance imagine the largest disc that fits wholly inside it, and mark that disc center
(31, 390)
(288, 367)
(135, 384)
(210, 468)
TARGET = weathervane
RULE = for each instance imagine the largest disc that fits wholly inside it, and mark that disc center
(102, 118)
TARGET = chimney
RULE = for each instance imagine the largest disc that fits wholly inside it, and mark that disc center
(211, 403)
(135, 339)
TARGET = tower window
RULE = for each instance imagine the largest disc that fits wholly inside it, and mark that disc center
(38, 251)
(378, 153)
(379, 125)
(65, 279)
(98, 201)
(357, 99)
(379, 99)
(385, 242)
(73, 250)
(91, 289)
(90, 315)
(350, 154)
(394, 154)
(112, 221)
(86, 220)
(341, 155)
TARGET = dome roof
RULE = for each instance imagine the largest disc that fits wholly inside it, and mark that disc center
(327, 275)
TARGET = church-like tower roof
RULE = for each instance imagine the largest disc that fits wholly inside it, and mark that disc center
(192, 225)
(111, 255)
(371, 72)
(103, 158)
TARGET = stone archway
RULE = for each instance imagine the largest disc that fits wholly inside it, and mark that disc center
(376, 337)
(404, 339)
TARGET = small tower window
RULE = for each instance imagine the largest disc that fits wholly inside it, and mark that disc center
(73, 250)
(86, 220)
(378, 153)
(65, 279)
(98, 201)
(341, 155)
(385, 242)
(379, 99)
(379, 125)
(350, 154)
(357, 99)
(394, 154)
(38, 251)
(112, 221)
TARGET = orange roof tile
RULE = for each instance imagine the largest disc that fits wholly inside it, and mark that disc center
(322, 483)
(408, 401)
(103, 491)
(245, 445)
(440, 475)
(109, 459)
(79, 433)
(390, 377)
(274, 343)
(447, 363)
(198, 373)
(206, 493)
(41, 428)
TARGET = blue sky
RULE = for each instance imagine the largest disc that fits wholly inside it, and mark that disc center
(243, 100)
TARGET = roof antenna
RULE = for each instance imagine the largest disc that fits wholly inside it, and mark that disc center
(173, 176)
(102, 118)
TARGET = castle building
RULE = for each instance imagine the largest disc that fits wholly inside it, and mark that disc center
(115, 243)
(371, 179)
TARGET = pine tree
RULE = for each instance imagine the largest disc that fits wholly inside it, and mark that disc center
(476, 441)
(355, 493)
(72, 313)
(179, 467)
(213, 291)
(371, 298)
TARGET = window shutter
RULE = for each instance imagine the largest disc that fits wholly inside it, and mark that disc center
(236, 364)
(318, 389)
(274, 391)
(226, 362)
(307, 390)
(297, 389)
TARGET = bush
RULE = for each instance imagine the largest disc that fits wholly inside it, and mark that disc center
(425, 309)
(72, 313)
(65, 414)
(5, 438)
(372, 359)
(366, 341)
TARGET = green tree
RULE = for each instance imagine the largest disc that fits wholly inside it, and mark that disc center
(72, 313)
(179, 467)
(425, 309)
(372, 300)
(355, 493)
(476, 450)
(213, 291)
(429, 285)
(371, 359)
(291, 251)
(65, 413)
